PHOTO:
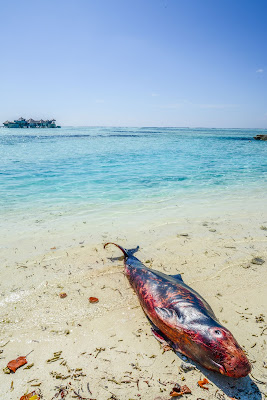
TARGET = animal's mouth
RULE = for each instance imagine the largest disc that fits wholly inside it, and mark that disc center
(235, 372)
(221, 368)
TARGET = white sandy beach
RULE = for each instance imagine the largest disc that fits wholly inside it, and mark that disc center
(107, 347)
(162, 114)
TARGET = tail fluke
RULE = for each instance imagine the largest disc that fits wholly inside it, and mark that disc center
(125, 253)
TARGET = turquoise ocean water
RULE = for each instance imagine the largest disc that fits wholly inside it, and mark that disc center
(93, 171)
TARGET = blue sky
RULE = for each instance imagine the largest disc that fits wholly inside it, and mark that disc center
(135, 62)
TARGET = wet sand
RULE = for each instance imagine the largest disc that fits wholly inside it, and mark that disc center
(107, 349)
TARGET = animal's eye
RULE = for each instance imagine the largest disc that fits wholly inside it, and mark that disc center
(218, 333)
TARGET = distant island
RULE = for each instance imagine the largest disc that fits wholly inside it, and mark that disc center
(31, 123)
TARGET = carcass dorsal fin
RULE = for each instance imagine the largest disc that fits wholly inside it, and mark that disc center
(178, 277)
(168, 316)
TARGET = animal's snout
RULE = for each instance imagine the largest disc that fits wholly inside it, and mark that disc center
(238, 367)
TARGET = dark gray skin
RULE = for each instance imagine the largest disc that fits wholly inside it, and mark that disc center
(182, 318)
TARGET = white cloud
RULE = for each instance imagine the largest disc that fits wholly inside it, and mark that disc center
(171, 106)
(154, 94)
(259, 71)
(217, 106)
(190, 104)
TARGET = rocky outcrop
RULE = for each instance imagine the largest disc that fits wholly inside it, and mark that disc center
(260, 137)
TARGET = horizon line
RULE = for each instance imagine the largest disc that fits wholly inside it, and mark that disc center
(147, 126)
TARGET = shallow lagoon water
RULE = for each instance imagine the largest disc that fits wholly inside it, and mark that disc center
(126, 176)
(88, 166)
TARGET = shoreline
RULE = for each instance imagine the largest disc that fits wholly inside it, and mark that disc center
(213, 254)
(34, 232)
